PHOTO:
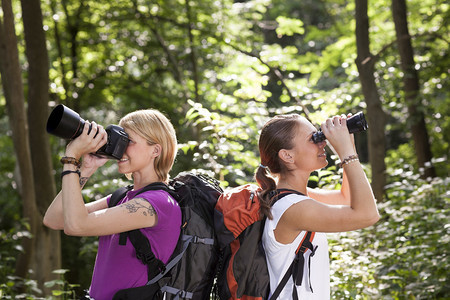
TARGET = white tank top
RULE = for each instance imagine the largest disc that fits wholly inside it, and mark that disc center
(280, 256)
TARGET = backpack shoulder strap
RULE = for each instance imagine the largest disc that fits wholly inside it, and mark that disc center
(118, 195)
(121, 192)
(143, 251)
(296, 266)
(140, 243)
(280, 193)
(154, 187)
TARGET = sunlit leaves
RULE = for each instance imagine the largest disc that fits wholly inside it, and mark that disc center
(404, 254)
(283, 58)
(289, 26)
(219, 73)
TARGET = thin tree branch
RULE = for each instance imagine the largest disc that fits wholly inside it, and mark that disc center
(279, 75)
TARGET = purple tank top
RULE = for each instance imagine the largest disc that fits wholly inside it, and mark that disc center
(116, 267)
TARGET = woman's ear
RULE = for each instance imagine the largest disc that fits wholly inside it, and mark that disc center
(285, 156)
(157, 150)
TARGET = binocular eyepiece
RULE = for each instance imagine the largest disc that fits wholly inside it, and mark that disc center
(67, 124)
(355, 123)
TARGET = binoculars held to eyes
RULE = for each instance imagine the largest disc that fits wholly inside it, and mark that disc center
(355, 123)
(67, 124)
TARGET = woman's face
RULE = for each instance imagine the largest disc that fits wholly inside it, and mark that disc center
(306, 154)
(138, 156)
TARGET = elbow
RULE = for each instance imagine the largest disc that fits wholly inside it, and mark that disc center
(73, 229)
(48, 222)
(366, 220)
(69, 231)
(374, 218)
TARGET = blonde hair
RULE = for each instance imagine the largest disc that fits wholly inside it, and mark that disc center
(156, 128)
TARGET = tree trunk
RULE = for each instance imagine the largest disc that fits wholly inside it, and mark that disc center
(48, 246)
(193, 55)
(375, 115)
(12, 86)
(412, 90)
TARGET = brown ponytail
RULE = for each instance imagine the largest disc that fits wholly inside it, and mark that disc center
(278, 133)
(267, 184)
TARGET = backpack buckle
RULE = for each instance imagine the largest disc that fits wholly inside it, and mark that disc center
(197, 240)
(145, 258)
(182, 294)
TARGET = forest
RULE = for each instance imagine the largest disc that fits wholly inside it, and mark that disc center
(219, 69)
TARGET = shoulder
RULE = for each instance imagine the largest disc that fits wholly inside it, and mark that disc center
(289, 200)
(285, 204)
(161, 200)
(165, 206)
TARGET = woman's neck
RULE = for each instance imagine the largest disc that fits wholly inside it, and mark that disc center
(140, 181)
(294, 182)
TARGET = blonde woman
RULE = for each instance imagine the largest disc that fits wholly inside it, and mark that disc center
(288, 156)
(148, 158)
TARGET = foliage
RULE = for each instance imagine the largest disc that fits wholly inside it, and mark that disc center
(219, 70)
(61, 289)
(404, 255)
(11, 286)
(11, 208)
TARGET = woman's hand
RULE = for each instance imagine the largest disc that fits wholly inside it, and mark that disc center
(352, 136)
(91, 163)
(336, 131)
(88, 142)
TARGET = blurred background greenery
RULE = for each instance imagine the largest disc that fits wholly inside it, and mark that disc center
(219, 69)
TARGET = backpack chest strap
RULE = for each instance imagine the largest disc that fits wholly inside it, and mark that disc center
(179, 294)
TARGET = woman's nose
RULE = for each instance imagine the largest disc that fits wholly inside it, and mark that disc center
(322, 144)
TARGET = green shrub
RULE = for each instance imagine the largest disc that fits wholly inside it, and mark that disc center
(404, 255)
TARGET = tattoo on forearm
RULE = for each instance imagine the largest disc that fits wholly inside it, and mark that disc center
(83, 181)
(134, 206)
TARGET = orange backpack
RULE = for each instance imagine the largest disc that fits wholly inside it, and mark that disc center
(243, 273)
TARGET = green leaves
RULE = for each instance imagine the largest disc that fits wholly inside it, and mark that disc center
(220, 70)
(289, 26)
(404, 254)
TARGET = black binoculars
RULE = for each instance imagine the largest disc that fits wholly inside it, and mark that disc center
(355, 123)
(67, 124)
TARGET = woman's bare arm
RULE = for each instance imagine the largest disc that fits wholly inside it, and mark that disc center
(312, 215)
(333, 197)
(53, 217)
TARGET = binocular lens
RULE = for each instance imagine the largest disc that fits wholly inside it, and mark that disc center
(355, 123)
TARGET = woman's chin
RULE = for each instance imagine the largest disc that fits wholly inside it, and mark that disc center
(122, 170)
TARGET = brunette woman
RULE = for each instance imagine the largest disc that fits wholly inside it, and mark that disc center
(288, 156)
